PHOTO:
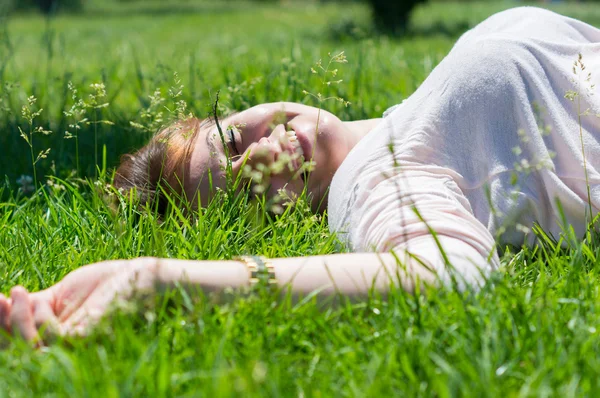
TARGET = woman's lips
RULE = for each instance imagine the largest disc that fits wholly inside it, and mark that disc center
(305, 144)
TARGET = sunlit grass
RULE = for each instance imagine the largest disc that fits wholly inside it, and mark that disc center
(532, 331)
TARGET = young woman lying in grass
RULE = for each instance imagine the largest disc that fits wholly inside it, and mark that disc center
(501, 136)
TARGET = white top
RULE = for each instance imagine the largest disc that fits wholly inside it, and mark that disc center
(486, 147)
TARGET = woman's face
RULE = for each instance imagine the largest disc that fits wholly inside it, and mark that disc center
(284, 138)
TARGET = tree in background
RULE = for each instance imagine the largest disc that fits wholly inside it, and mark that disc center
(392, 16)
(49, 6)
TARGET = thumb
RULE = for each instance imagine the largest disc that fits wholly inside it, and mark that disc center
(45, 319)
(48, 295)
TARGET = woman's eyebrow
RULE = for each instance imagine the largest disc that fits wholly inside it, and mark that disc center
(209, 141)
(208, 125)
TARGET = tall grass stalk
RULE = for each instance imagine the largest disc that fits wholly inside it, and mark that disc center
(30, 113)
(325, 83)
(578, 70)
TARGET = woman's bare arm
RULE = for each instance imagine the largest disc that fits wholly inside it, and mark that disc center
(352, 274)
(77, 302)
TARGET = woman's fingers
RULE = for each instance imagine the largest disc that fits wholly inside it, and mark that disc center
(44, 319)
(4, 321)
(4, 313)
(21, 314)
(88, 315)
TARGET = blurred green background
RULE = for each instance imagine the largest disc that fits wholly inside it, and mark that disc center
(250, 51)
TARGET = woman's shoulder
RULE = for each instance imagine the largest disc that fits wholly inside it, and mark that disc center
(524, 24)
(515, 21)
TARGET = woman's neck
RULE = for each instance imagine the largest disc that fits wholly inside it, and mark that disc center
(356, 130)
(360, 128)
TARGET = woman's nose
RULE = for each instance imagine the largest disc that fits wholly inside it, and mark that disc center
(267, 149)
(277, 133)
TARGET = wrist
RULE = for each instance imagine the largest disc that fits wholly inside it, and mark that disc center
(261, 272)
(145, 271)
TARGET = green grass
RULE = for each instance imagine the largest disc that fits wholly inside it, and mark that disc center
(533, 331)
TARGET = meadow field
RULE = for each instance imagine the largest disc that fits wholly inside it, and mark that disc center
(534, 330)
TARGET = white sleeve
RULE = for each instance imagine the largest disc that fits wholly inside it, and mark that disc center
(390, 219)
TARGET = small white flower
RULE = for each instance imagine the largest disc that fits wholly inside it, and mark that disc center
(522, 228)
(277, 209)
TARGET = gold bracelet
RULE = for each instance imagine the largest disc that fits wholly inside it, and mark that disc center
(261, 271)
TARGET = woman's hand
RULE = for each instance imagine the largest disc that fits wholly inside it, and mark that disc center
(76, 303)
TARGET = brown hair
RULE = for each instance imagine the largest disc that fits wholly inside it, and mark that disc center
(158, 168)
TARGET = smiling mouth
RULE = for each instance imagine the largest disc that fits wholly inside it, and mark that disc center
(304, 142)
(297, 152)
(295, 143)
